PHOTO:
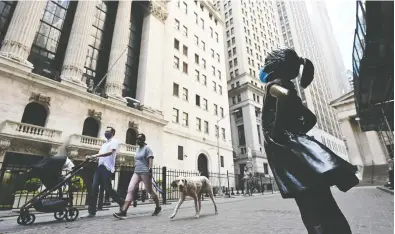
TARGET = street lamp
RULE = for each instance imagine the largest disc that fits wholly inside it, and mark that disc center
(219, 158)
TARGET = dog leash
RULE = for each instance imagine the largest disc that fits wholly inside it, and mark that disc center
(156, 186)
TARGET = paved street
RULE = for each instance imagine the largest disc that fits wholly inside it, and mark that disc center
(368, 210)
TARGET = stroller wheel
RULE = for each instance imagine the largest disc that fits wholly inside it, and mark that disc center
(59, 215)
(72, 214)
(26, 219)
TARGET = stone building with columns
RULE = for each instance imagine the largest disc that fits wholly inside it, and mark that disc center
(69, 69)
(365, 149)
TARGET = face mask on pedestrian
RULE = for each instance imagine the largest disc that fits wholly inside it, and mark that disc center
(140, 140)
(108, 134)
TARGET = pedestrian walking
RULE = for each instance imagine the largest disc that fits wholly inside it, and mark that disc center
(247, 181)
(143, 172)
(103, 175)
(303, 168)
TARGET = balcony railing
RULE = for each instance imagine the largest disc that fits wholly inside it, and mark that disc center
(29, 131)
(94, 144)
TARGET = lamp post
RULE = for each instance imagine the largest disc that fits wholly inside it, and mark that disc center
(219, 158)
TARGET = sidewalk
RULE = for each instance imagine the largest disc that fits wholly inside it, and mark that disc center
(146, 207)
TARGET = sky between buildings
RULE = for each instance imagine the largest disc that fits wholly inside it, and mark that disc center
(342, 15)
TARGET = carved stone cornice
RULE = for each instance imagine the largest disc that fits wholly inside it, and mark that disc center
(159, 10)
(45, 100)
(95, 114)
(4, 145)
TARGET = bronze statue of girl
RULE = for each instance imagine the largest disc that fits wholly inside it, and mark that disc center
(303, 168)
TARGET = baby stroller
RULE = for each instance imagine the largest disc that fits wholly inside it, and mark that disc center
(49, 171)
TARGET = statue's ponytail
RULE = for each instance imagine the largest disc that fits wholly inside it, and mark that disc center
(307, 74)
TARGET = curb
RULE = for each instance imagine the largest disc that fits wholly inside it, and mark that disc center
(386, 190)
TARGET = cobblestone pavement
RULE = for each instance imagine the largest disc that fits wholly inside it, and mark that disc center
(368, 210)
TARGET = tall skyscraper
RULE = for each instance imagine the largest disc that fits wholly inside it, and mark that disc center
(250, 32)
(335, 70)
(298, 32)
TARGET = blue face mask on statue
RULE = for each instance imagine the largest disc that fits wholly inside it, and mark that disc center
(263, 76)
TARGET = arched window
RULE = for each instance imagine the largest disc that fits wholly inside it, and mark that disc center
(91, 127)
(35, 114)
(131, 136)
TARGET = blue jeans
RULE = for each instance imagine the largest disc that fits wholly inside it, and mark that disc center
(102, 177)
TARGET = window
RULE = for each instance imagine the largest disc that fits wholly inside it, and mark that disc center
(196, 18)
(177, 24)
(185, 119)
(216, 131)
(204, 63)
(215, 109)
(204, 79)
(197, 100)
(239, 113)
(49, 46)
(203, 45)
(185, 50)
(205, 104)
(241, 135)
(197, 75)
(259, 134)
(184, 31)
(230, 64)
(196, 39)
(175, 115)
(223, 133)
(185, 67)
(229, 53)
(233, 41)
(234, 51)
(265, 168)
(235, 62)
(211, 32)
(180, 153)
(219, 74)
(6, 12)
(221, 110)
(216, 37)
(214, 86)
(176, 88)
(234, 100)
(176, 44)
(236, 72)
(198, 124)
(201, 23)
(197, 59)
(206, 128)
(178, 3)
(213, 70)
(222, 161)
(218, 58)
(220, 89)
(212, 53)
(185, 94)
(239, 98)
(176, 62)
(184, 8)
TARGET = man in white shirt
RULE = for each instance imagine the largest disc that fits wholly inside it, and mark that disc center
(107, 156)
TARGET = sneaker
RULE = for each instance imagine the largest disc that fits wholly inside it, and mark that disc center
(120, 215)
(89, 215)
(157, 211)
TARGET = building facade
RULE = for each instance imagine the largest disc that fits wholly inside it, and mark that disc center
(298, 32)
(250, 32)
(70, 69)
(365, 149)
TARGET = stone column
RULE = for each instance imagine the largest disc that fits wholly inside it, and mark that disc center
(77, 47)
(22, 30)
(118, 54)
(149, 81)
